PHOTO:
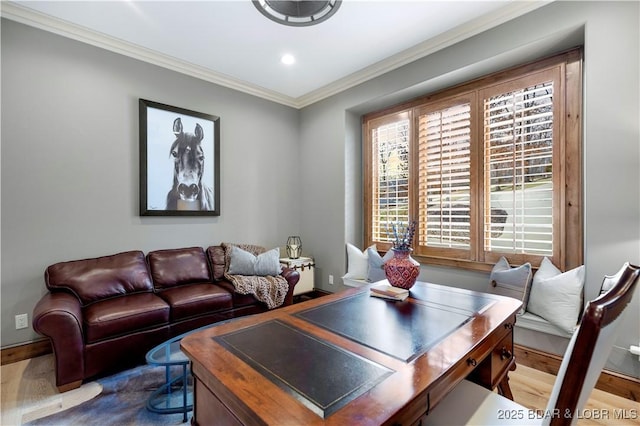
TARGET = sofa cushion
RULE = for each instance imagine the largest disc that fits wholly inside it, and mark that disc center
(217, 259)
(238, 299)
(196, 299)
(124, 315)
(175, 267)
(100, 278)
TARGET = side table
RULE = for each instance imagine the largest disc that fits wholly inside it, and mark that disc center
(176, 394)
(304, 265)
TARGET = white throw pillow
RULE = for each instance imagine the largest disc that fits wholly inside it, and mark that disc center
(241, 262)
(557, 296)
(357, 262)
(512, 282)
(375, 262)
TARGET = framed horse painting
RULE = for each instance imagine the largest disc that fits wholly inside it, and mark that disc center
(179, 161)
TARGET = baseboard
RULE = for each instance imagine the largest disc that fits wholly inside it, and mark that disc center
(609, 381)
(313, 294)
(25, 351)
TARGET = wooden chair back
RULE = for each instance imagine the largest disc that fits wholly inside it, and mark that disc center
(589, 349)
(610, 280)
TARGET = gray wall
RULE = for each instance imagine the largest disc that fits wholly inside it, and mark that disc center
(70, 153)
(70, 162)
(331, 158)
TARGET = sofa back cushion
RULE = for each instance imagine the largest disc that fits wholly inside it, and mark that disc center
(100, 278)
(217, 259)
(175, 267)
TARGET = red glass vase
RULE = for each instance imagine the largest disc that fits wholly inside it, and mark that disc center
(402, 270)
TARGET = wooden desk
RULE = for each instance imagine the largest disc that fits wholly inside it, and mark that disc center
(350, 358)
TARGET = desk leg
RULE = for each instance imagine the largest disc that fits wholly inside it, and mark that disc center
(503, 386)
(184, 392)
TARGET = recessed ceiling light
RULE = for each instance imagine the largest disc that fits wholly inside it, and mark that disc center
(297, 13)
(288, 59)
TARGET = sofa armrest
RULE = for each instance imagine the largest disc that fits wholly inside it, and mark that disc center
(58, 316)
(292, 276)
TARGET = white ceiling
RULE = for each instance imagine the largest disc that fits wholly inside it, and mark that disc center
(232, 44)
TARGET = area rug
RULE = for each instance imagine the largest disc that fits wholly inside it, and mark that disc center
(122, 402)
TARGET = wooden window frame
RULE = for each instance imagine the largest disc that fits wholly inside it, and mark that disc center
(435, 106)
(568, 179)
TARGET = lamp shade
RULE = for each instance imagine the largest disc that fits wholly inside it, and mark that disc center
(294, 247)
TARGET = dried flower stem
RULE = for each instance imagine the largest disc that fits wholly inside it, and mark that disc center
(403, 237)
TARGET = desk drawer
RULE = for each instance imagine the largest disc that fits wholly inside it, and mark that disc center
(493, 368)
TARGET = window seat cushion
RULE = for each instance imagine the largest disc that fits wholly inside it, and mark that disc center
(537, 323)
(352, 282)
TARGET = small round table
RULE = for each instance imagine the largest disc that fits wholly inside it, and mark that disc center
(176, 394)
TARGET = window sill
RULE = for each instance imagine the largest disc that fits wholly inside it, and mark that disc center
(350, 282)
(454, 263)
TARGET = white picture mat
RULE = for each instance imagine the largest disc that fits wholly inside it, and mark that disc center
(160, 137)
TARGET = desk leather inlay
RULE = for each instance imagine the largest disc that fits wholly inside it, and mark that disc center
(320, 375)
(443, 296)
(403, 330)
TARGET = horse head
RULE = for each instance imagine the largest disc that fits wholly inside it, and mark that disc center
(188, 158)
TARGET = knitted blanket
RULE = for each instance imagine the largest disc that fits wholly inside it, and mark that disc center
(268, 289)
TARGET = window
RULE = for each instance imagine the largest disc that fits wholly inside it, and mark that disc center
(390, 174)
(489, 168)
(444, 177)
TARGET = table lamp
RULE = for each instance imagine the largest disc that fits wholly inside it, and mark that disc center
(294, 247)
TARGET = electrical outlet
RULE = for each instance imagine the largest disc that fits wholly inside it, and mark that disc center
(22, 321)
(331, 279)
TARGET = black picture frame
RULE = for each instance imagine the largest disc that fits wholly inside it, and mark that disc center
(190, 186)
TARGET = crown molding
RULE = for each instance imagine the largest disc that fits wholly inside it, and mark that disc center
(24, 15)
(421, 50)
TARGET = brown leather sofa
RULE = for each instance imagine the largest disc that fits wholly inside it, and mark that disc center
(103, 314)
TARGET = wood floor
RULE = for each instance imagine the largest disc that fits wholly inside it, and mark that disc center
(532, 388)
(28, 392)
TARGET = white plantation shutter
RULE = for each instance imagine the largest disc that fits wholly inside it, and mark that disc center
(444, 176)
(488, 168)
(390, 183)
(518, 166)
